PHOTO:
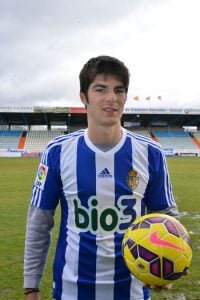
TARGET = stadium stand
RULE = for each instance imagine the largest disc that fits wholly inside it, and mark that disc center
(175, 139)
(144, 132)
(37, 140)
(9, 138)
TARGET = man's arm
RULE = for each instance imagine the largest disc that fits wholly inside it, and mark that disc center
(171, 211)
(38, 236)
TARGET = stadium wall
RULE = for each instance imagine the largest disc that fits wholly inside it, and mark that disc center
(12, 152)
(18, 153)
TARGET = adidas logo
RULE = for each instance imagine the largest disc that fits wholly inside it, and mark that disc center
(104, 174)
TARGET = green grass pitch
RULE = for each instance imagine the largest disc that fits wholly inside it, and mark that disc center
(16, 179)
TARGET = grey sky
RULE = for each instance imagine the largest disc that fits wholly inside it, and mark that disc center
(44, 43)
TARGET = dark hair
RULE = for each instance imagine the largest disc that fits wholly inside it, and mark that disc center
(106, 65)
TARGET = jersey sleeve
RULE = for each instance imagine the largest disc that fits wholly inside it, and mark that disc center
(48, 186)
(38, 236)
(158, 195)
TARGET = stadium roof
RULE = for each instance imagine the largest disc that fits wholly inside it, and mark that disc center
(77, 116)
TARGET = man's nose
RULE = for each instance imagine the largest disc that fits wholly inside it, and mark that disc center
(111, 95)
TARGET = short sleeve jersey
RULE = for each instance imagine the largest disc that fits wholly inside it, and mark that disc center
(100, 194)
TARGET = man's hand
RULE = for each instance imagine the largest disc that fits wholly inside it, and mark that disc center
(158, 288)
(164, 287)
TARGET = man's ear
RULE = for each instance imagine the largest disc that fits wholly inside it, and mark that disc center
(84, 99)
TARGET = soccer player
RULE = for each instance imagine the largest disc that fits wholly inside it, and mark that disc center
(103, 177)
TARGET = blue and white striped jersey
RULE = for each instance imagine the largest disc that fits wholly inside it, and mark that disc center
(100, 194)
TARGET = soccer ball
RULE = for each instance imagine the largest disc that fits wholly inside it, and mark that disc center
(157, 249)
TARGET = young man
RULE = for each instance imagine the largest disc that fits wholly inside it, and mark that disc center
(104, 177)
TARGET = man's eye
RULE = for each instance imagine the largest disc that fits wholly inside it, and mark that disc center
(100, 90)
(120, 91)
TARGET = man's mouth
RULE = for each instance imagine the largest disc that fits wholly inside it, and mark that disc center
(110, 109)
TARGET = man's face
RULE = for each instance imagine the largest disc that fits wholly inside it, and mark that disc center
(105, 100)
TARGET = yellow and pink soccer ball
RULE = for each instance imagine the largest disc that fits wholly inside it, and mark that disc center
(157, 249)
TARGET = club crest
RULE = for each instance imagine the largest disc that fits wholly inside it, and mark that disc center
(132, 179)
